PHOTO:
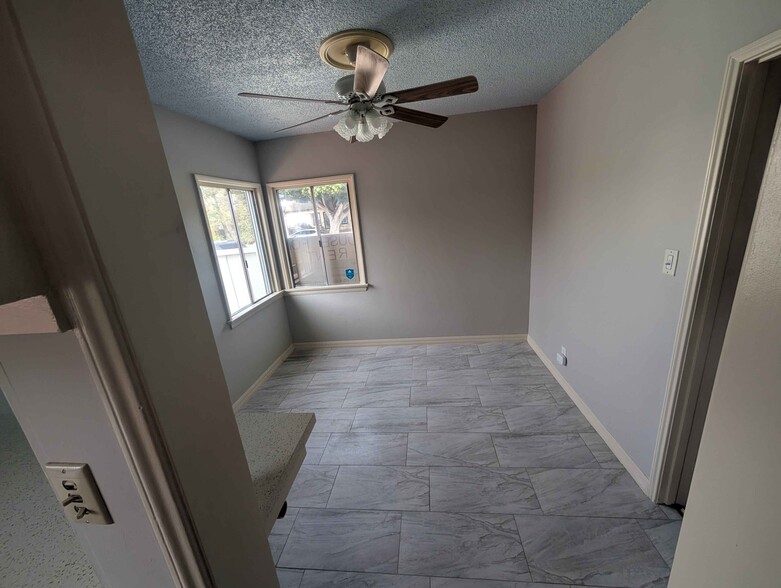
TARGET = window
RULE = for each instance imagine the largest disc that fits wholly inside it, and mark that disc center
(317, 229)
(237, 228)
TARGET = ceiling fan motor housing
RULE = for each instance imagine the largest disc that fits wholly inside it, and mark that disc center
(344, 88)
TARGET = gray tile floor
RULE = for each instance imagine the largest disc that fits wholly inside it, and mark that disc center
(455, 466)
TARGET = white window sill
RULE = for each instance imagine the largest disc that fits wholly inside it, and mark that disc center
(326, 289)
(236, 320)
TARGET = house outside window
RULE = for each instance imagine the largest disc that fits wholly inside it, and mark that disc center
(318, 233)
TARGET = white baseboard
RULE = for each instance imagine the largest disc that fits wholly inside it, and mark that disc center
(242, 400)
(412, 341)
(615, 447)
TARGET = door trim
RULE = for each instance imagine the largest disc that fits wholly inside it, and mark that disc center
(52, 210)
(739, 80)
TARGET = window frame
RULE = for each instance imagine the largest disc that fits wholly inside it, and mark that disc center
(279, 233)
(261, 225)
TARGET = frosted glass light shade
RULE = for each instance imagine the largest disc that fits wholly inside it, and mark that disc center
(363, 127)
(364, 134)
(348, 125)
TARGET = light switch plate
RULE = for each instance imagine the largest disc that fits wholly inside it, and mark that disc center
(670, 262)
(78, 493)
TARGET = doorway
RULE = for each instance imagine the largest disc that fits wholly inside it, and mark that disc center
(748, 115)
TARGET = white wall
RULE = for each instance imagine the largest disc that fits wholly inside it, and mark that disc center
(192, 147)
(446, 226)
(622, 146)
(730, 535)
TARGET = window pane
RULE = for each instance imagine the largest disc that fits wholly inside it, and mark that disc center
(216, 205)
(302, 240)
(255, 262)
(336, 227)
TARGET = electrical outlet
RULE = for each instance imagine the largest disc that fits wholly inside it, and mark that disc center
(564, 351)
(561, 359)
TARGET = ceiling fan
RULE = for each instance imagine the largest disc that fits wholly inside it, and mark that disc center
(366, 106)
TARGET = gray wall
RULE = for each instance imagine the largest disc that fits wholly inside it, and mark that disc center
(446, 224)
(67, 422)
(90, 78)
(730, 534)
(195, 147)
(622, 146)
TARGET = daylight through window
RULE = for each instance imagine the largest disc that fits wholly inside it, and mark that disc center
(318, 231)
(239, 235)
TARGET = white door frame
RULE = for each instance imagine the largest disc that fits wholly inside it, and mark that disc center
(670, 450)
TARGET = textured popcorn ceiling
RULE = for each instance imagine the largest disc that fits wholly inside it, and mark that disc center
(199, 54)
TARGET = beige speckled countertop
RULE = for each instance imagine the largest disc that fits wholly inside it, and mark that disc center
(275, 445)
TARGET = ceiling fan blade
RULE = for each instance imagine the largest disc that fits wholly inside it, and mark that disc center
(311, 121)
(370, 68)
(416, 116)
(465, 85)
(289, 98)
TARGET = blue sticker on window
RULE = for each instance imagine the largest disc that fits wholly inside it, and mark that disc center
(350, 273)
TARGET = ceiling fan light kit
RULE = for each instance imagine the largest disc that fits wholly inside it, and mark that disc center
(368, 107)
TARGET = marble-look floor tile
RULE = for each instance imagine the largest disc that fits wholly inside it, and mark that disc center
(462, 377)
(377, 397)
(396, 377)
(463, 419)
(466, 583)
(559, 395)
(506, 377)
(389, 420)
(444, 396)
(331, 364)
(549, 418)
(664, 536)
(498, 359)
(554, 451)
(263, 398)
(671, 513)
(451, 449)
(292, 366)
(381, 488)
(291, 382)
(338, 379)
(401, 350)
(591, 551)
(277, 544)
(309, 353)
(526, 370)
(504, 347)
(451, 349)
(369, 364)
(592, 492)
(331, 420)
(321, 579)
(461, 545)
(289, 578)
(511, 396)
(601, 451)
(348, 540)
(312, 486)
(315, 446)
(487, 490)
(440, 362)
(366, 449)
(310, 398)
(284, 525)
(363, 350)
